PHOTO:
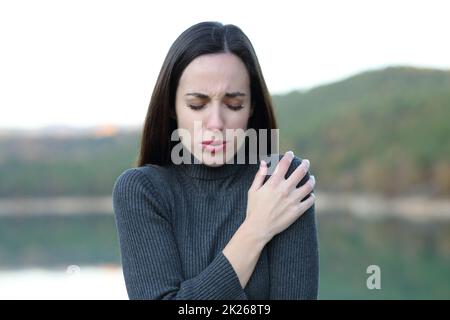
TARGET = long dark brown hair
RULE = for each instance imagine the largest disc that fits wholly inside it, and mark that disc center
(202, 38)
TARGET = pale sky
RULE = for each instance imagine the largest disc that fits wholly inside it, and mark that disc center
(83, 63)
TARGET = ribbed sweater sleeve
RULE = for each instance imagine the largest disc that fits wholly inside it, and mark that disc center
(294, 256)
(150, 259)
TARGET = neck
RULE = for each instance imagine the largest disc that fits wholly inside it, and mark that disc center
(202, 171)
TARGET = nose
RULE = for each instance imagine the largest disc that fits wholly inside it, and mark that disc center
(214, 120)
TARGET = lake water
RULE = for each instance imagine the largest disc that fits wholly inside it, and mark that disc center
(74, 282)
(76, 256)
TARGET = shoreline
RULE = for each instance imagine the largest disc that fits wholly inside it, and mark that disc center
(417, 208)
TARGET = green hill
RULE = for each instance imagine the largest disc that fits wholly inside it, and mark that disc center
(383, 131)
(53, 166)
(386, 131)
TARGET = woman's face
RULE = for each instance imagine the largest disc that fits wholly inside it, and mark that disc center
(212, 102)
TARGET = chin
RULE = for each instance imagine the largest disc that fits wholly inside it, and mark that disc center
(215, 160)
(213, 164)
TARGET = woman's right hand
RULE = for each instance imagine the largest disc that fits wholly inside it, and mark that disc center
(275, 205)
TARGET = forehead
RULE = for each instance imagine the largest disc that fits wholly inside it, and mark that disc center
(215, 74)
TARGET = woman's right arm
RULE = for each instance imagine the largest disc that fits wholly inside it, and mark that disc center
(272, 207)
(150, 260)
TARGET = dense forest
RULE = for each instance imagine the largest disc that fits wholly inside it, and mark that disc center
(385, 131)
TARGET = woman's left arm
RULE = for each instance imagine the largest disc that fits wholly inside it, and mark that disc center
(294, 256)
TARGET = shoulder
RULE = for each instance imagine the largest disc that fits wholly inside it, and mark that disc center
(294, 164)
(150, 175)
(149, 180)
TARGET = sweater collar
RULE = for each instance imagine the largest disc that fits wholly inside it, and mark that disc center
(205, 172)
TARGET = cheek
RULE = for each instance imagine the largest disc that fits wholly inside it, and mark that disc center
(185, 118)
(240, 121)
(184, 124)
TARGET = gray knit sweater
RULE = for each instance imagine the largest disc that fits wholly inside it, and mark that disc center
(174, 221)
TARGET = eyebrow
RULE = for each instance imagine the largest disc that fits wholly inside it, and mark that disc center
(227, 94)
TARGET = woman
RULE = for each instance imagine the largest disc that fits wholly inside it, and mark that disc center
(215, 228)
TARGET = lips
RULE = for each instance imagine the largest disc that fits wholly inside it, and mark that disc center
(214, 146)
(213, 143)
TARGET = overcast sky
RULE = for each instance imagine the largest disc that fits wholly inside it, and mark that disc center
(83, 63)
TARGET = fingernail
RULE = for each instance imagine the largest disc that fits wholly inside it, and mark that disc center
(291, 154)
(262, 164)
(307, 162)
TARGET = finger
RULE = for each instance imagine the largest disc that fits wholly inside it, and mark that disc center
(301, 192)
(298, 174)
(306, 204)
(260, 175)
(281, 168)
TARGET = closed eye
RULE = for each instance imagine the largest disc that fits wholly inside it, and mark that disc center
(195, 107)
(236, 108)
(232, 107)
